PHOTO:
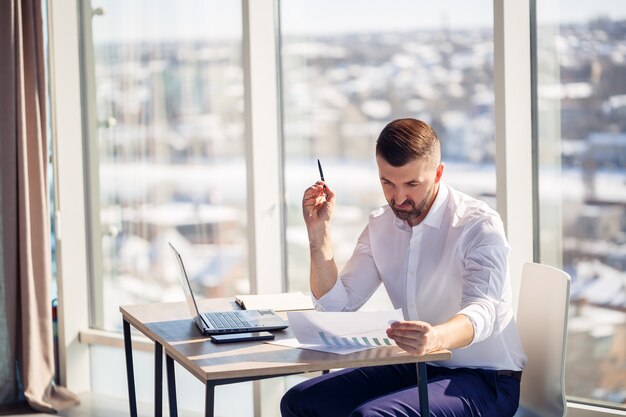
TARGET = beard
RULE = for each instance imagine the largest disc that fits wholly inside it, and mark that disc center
(415, 211)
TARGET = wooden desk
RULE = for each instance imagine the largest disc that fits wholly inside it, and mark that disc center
(171, 329)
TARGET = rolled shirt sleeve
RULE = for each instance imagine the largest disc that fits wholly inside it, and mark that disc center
(485, 275)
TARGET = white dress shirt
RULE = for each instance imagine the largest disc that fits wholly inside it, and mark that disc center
(454, 262)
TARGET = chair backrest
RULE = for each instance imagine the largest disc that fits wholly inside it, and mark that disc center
(542, 322)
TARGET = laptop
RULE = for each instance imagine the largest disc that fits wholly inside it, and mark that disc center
(218, 322)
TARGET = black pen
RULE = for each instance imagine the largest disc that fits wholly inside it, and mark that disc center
(319, 166)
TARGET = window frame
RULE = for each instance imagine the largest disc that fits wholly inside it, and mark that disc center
(76, 167)
(550, 250)
(71, 236)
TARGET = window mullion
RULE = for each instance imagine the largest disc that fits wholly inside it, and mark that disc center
(263, 146)
(92, 167)
(513, 130)
(264, 168)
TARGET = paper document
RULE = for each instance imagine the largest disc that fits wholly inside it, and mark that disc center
(349, 329)
(342, 350)
(277, 302)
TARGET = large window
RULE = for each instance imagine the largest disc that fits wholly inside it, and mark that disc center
(163, 87)
(344, 79)
(581, 89)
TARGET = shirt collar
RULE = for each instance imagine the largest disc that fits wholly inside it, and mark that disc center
(435, 214)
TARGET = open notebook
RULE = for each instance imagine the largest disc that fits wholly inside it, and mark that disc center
(278, 302)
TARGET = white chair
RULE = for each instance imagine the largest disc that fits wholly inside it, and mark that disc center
(542, 323)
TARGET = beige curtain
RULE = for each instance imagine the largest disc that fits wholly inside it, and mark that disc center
(25, 232)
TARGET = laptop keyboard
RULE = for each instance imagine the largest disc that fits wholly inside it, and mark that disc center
(227, 320)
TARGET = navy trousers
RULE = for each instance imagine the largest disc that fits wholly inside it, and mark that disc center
(391, 390)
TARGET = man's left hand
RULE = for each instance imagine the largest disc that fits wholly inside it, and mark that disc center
(416, 337)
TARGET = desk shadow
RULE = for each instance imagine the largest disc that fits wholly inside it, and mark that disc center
(177, 331)
(280, 356)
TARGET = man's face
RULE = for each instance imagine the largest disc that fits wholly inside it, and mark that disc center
(410, 189)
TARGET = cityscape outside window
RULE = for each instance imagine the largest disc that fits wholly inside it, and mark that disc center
(581, 102)
(345, 79)
(170, 143)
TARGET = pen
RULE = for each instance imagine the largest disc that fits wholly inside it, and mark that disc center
(319, 166)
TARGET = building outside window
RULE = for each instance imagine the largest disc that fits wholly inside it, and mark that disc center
(344, 79)
(163, 87)
(581, 107)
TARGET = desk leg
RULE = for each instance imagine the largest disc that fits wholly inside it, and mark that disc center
(130, 373)
(209, 400)
(171, 385)
(422, 387)
(158, 379)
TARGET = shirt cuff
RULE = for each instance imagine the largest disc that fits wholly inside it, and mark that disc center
(475, 314)
(334, 300)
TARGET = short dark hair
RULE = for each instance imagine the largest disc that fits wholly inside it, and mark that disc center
(405, 140)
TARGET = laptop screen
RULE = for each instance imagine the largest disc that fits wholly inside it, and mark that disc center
(184, 282)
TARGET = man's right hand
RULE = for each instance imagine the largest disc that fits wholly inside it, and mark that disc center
(318, 204)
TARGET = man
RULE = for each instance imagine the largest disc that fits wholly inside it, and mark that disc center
(443, 258)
